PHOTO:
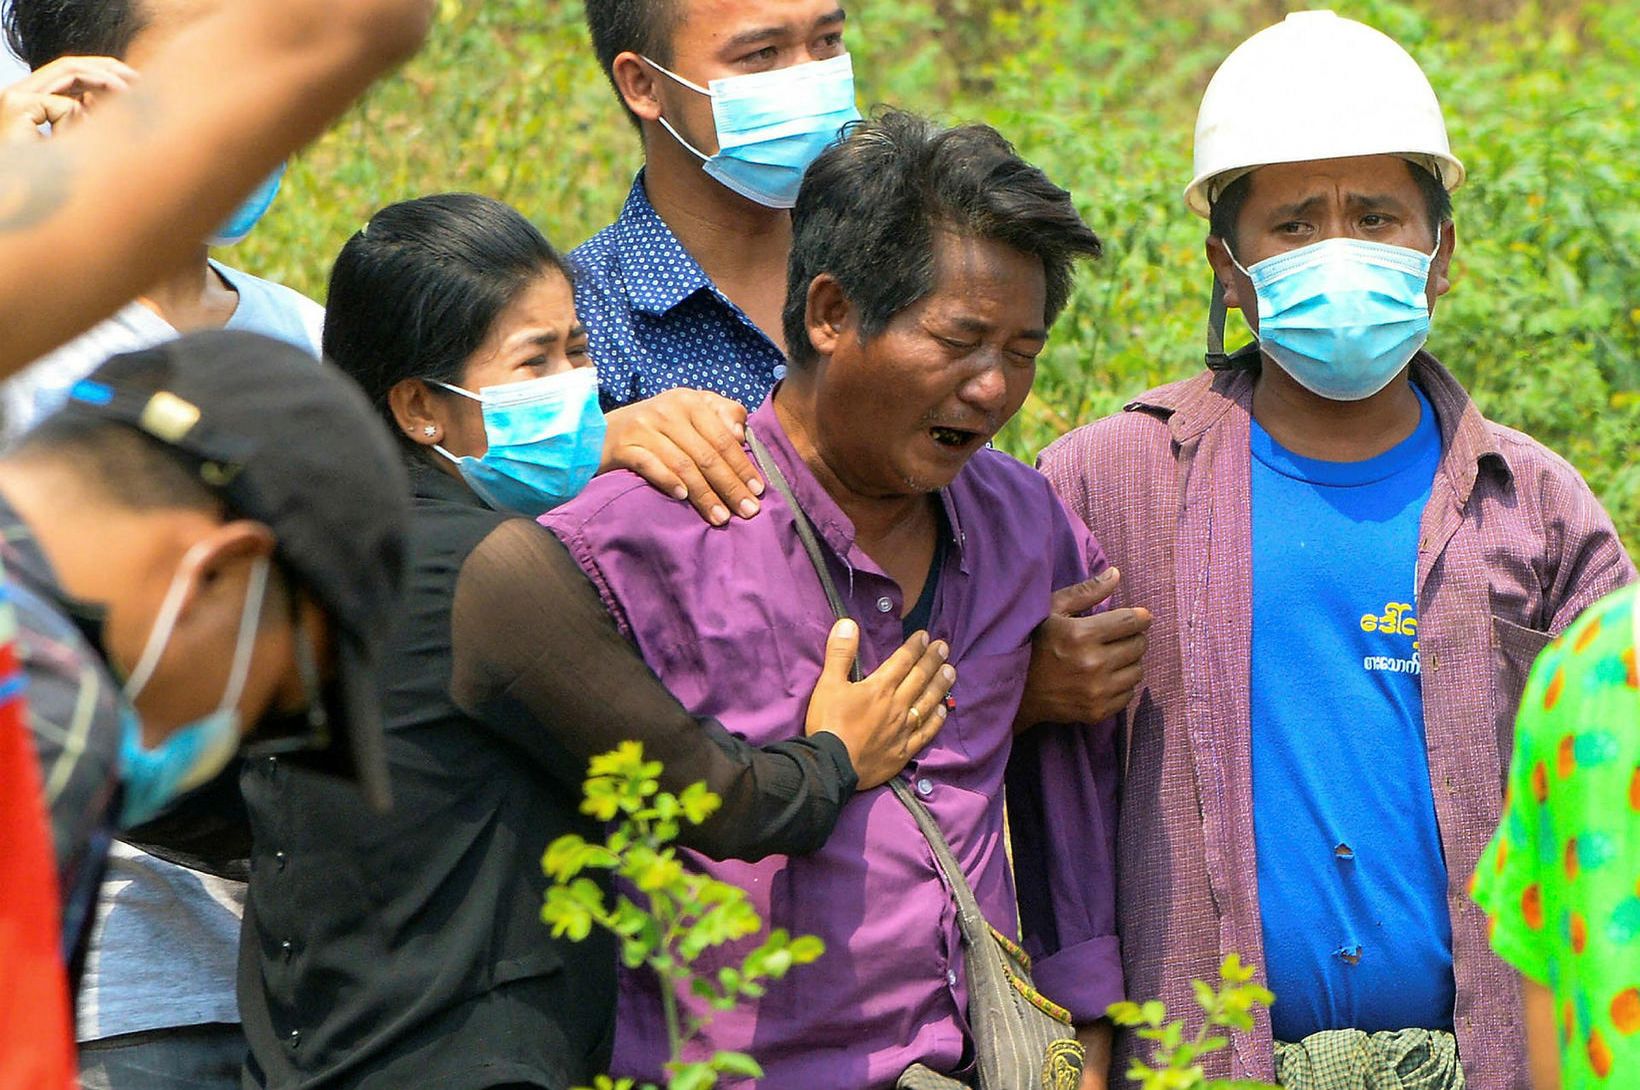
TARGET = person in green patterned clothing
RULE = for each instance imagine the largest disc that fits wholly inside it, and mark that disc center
(1560, 879)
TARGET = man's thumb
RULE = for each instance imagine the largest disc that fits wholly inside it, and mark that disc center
(1081, 597)
(841, 647)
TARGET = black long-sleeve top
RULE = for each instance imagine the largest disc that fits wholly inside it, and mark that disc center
(407, 950)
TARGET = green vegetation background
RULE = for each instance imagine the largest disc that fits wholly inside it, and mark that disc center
(1542, 324)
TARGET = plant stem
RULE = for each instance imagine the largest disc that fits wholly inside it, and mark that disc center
(669, 982)
(669, 1004)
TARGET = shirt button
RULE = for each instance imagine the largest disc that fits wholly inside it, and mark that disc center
(286, 948)
(884, 604)
(925, 787)
(951, 977)
(779, 371)
(279, 860)
(295, 1038)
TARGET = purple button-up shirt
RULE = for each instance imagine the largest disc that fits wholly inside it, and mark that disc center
(734, 621)
(1512, 546)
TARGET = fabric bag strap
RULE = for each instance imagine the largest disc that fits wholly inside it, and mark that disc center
(972, 920)
(805, 532)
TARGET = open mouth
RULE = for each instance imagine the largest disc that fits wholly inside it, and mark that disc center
(955, 438)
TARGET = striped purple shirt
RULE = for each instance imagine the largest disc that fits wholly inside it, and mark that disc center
(734, 621)
(1512, 547)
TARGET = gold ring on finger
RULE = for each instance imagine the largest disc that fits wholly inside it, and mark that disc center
(913, 714)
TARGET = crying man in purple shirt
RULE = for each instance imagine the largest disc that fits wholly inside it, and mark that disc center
(927, 267)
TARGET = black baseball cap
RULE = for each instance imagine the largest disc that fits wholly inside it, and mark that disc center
(292, 443)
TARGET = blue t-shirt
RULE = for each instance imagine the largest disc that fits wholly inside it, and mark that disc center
(1352, 881)
(655, 321)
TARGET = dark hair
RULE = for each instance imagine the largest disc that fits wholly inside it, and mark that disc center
(641, 26)
(40, 31)
(135, 472)
(869, 207)
(1227, 209)
(415, 292)
(130, 468)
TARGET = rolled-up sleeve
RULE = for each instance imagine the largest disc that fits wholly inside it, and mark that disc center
(1062, 783)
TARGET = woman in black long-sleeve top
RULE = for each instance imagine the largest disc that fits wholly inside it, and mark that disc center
(407, 951)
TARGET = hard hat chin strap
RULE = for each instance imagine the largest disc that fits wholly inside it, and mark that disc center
(1245, 358)
(1216, 359)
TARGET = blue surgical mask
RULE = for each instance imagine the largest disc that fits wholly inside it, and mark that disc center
(251, 210)
(1343, 316)
(772, 125)
(194, 753)
(546, 440)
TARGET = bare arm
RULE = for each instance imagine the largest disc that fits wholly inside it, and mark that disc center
(1096, 1038)
(1542, 1050)
(106, 208)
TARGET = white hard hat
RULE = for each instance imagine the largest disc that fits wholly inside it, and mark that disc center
(1316, 86)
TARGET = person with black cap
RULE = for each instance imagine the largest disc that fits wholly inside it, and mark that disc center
(204, 550)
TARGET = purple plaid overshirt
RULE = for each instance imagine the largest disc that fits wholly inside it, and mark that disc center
(1512, 547)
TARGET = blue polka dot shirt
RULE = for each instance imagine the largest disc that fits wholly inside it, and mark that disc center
(655, 321)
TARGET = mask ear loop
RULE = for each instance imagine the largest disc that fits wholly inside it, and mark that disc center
(469, 395)
(686, 145)
(165, 624)
(665, 71)
(667, 125)
(160, 635)
(249, 619)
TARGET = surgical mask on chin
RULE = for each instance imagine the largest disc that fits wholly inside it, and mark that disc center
(249, 212)
(772, 125)
(195, 753)
(546, 439)
(1343, 316)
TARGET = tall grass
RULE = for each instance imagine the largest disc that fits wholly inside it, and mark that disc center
(1543, 323)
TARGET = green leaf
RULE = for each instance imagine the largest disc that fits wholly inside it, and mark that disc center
(806, 949)
(1232, 971)
(1124, 1013)
(699, 803)
(562, 858)
(696, 1076)
(737, 1063)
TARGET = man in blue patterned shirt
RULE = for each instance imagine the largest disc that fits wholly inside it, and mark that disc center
(685, 288)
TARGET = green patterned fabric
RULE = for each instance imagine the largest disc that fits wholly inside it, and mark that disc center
(1561, 879)
(1351, 1059)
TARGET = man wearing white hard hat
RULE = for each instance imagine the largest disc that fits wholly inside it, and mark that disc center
(1351, 570)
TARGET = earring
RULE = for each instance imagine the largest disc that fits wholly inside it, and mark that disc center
(430, 430)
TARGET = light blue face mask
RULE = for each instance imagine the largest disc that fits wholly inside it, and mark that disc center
(193, 754)
(546, 440)
(772, 125)
(253, 208)
(1342, 316)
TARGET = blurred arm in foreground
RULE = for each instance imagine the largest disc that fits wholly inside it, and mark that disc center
(127, 194)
